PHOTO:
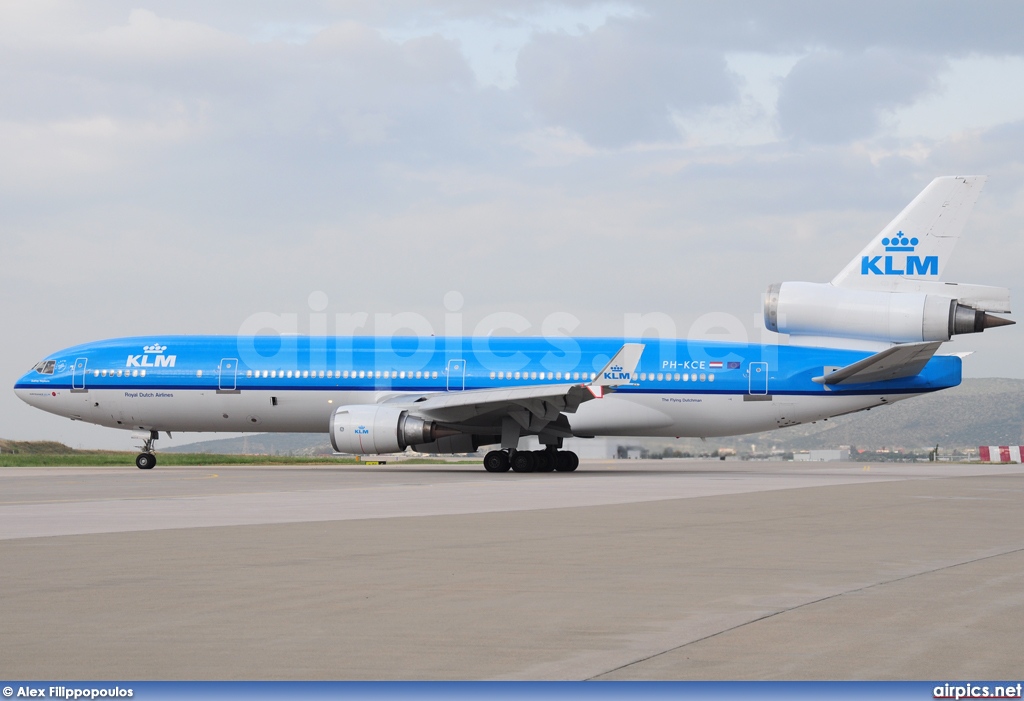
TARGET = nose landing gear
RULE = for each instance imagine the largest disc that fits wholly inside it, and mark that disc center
(146, 460)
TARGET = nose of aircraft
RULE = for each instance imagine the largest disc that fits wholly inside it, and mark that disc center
(21, 388)
(32, 392)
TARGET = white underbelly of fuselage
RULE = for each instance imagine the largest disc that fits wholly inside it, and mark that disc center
(669, 415)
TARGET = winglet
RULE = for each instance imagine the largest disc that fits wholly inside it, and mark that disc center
(619, 370)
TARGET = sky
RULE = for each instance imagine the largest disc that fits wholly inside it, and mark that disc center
(193, 167)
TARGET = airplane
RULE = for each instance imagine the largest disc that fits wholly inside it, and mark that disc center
(867, 338)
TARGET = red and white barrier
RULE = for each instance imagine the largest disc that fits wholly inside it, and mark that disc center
(1000, 453)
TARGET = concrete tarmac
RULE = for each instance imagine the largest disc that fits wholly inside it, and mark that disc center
(622, 570)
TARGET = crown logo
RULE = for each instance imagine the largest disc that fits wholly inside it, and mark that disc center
(615, 368)
(899, 242)
(155, 348)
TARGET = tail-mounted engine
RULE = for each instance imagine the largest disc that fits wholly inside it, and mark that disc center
(821, 309)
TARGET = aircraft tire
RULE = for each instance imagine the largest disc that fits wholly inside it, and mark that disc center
(563, 463)
(573, 461)
(522, 461)
(496, 461)
(145, 461)
(543, 461)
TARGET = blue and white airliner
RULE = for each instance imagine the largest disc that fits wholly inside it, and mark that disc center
(867, 338)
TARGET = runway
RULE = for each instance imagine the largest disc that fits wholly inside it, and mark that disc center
(622, 570)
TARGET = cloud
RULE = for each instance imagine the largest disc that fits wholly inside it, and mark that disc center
(832, 97)
(614, 86)
(175, 167)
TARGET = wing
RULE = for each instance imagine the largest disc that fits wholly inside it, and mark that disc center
(532, 406)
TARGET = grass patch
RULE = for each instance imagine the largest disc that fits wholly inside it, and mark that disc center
(52, 454)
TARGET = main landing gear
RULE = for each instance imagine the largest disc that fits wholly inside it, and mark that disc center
(549, 460)
(146, 460)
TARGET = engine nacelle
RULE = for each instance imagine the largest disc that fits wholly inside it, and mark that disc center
(821, 309)
(371, 429)
(459, 443)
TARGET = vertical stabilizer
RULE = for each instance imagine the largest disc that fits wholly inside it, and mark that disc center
(918, 243)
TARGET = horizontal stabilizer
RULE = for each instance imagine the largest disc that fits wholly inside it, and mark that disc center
(904, 360)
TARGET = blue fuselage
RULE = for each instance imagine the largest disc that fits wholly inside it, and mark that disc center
(267, 383)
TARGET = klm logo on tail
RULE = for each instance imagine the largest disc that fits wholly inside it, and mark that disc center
(616, 372)
(889, 264)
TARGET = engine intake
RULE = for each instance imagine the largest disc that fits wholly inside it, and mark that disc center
(821, 309)
(369, 429)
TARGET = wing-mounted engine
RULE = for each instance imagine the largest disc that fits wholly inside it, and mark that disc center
(461, 422)
(824, 310)
(372, 429)
(458, 443)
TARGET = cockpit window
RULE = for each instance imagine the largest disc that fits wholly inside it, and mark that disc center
(45, 367)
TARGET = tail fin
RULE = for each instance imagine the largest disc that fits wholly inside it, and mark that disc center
(918, 243)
